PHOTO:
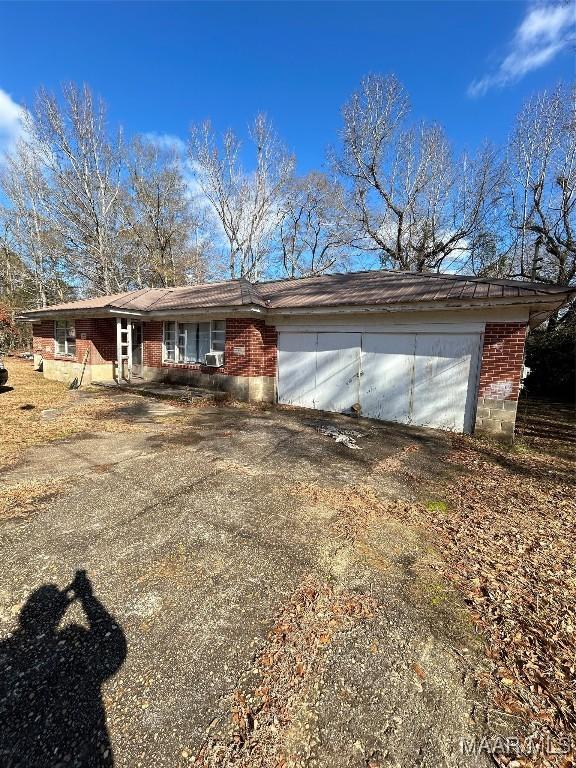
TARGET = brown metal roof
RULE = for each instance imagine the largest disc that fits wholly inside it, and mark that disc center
(233, 293)
(386, 287)
(374, 288)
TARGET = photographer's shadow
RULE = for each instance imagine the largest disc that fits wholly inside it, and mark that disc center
(51, 709)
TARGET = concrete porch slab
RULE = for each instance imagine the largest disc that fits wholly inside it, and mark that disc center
(168, 391)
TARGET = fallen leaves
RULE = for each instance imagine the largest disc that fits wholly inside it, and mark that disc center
(263, 720)
(507, 530)
(23, 498)
(355, 504)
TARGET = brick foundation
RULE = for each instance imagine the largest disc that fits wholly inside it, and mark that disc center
(500, 377)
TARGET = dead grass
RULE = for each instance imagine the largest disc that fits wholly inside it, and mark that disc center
(19, 500)
(355, 504)
(22, 425)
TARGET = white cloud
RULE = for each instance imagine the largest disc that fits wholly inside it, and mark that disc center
(166, 141)
(545, 31)
(11, 121)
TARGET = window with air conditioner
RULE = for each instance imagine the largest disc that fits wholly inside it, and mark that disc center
(192, 342)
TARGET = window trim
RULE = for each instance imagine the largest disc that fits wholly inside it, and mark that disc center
(67, 322)
(177, 325)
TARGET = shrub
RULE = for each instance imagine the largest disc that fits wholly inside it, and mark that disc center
(551, 357)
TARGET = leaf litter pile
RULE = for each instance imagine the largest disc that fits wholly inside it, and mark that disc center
(270, 724)
(22, 498)
(507, 529)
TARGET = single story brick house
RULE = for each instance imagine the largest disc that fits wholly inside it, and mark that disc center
(443, 351)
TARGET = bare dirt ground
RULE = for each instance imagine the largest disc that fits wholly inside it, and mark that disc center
(274, 598)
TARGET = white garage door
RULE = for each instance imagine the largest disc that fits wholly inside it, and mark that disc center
(428, 379)
(319, 370)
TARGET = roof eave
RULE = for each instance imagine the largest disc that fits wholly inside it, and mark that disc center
(36, 315)
(235, 309)
(548, 302)
(554, 301)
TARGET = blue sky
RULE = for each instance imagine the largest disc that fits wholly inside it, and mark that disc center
(160, 66)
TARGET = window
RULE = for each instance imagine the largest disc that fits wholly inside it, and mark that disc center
(218, 335)
(65, 336)
(190, 342)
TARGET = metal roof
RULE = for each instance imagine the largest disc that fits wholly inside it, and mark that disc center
(372, 288)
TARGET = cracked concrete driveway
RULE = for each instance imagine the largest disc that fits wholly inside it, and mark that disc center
(199, 541)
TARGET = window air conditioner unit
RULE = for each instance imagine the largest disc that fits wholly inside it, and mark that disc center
(214, 359)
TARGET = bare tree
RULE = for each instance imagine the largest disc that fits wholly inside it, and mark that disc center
(314, 229)
(412, 202)
(542, 188)
(85, 167)
(26, 228)
(163, 224)
(245, 204)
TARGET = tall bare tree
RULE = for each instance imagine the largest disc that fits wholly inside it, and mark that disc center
(161, 218)
(314, 230)
(26, 229)
(413, 203)
(542, 205)
(85, 166)
(246, 204)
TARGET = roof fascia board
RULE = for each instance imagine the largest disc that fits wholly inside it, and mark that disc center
(241, 310)
(119, 312)
(419, 306)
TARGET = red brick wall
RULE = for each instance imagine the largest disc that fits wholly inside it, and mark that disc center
(100, 340)
(502, 360)
(43, 339)
(256, 339)
(102, 333)
(152, 341)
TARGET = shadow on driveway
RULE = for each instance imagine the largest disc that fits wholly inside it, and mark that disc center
(51, 706)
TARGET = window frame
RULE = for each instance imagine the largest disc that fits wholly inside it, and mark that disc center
(177, 333)
(68, 323)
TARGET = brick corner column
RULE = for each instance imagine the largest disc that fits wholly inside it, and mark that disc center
(500, 377)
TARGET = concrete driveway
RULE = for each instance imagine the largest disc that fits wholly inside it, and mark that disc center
(253, 596)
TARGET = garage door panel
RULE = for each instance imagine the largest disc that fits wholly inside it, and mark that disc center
(387, 363)
(297, 369)
(443, 384)
(337, 369)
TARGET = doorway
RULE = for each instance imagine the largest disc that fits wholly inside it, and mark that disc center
(137, 351)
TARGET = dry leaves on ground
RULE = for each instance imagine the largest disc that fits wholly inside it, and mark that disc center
(508, 532)
(355, 504)
(266, 723)
(18, 500)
